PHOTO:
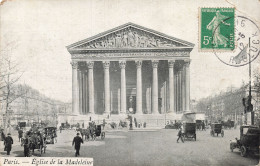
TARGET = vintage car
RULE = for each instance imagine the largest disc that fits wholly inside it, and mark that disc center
(216, 128)
(248, 142)
(189, 130)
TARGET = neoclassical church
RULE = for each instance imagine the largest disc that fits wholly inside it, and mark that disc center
(130, 70)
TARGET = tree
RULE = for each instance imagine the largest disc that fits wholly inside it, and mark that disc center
(257, 80)
(9, 75)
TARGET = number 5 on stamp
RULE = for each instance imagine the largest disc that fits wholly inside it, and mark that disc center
(216, 29)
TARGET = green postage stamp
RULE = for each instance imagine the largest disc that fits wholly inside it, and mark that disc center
(216, 29)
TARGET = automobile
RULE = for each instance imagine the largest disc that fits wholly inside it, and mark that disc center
(248, 142)
(189, 130)
(216, 128)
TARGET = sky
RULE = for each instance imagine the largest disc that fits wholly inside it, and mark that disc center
(41, 30)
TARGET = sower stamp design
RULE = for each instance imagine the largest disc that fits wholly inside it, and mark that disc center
(216, 29)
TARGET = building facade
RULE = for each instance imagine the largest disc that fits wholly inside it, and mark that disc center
(130, 70)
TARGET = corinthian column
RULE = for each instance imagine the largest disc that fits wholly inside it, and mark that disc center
(171, 84)
(86, 91)
(155, 87)
(139, 99)
(75, 88)
(90, 65)
(187, 69)
(80, 90)
(122, 65)
(183, 89)
(180, 91)
(106, 86)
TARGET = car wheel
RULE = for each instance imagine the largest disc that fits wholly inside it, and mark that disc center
(243, 151)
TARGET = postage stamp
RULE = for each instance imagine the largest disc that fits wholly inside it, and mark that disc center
(216, 29)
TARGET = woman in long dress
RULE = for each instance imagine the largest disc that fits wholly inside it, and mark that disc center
(214, 25)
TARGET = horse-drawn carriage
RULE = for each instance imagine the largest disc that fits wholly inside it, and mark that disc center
(93, 131)
(50, 134)
(33, 140)
(216, 128)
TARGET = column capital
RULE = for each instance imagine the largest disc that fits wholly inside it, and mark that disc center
(74, 64)
(90, 64)
(138, 64)
(106, 64)
(187, 61)
(122, 64)
(155, 63)
(171, 63)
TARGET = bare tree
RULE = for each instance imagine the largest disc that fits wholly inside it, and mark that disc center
(9, 75)
(257, 80)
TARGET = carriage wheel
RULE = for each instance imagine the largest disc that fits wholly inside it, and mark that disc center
(222, 133)
(103, 135)
(243, 151)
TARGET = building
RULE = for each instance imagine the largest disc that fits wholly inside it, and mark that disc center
(130, 70)
(229, 105)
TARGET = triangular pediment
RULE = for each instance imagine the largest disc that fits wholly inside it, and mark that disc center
(129, 36)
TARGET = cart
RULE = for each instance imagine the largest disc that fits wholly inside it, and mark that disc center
(216, 128)
(96, 131)
(50, 134)
(189, 130)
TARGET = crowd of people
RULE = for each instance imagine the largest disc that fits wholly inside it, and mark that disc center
(34, 138)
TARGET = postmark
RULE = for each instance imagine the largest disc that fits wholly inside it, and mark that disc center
(247, 43)
(216, 29)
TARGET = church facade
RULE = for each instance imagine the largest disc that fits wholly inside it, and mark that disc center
(130, 70)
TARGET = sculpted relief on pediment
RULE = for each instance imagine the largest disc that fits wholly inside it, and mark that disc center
(130, 38)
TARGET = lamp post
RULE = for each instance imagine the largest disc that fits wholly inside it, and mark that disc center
(250, 106)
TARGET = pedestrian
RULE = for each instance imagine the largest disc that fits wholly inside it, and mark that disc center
(8, 143)
(55, 135)
(77, 141)
(180, 136)
(203, 126)
(26, 146)
(135, 122)
(20, 134)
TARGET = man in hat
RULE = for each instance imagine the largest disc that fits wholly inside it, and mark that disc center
(180, 135)
(77, 141)
(20, 134)
(8, 143)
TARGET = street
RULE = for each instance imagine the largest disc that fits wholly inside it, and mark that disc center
(147, 147)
